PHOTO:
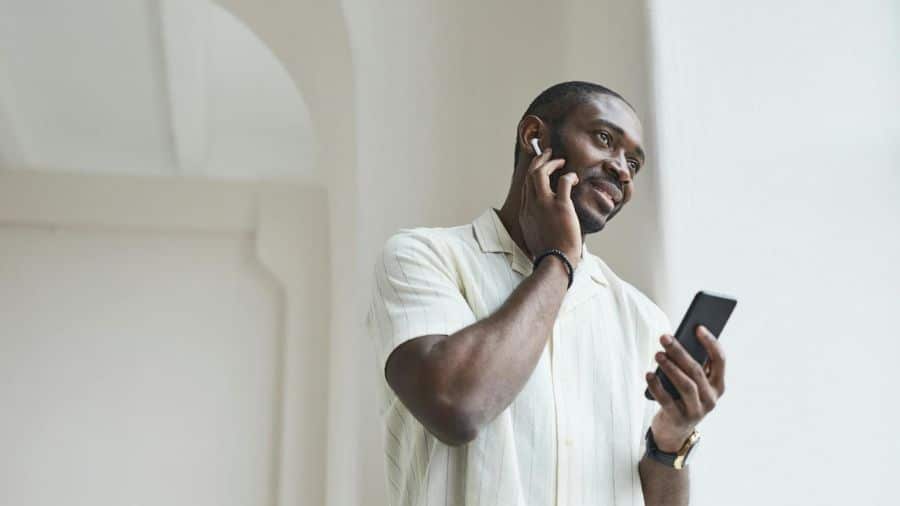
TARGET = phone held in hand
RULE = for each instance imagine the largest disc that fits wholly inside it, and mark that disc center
(708, 309)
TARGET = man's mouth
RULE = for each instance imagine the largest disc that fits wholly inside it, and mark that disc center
(608, 192)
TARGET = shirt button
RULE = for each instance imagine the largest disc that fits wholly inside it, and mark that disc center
(568, 441)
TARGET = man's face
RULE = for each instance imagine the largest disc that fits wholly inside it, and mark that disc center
(601, 141)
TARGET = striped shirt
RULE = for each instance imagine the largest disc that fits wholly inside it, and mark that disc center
(574, 434)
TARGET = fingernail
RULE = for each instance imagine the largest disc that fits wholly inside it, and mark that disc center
(660, 357)
(665, 339)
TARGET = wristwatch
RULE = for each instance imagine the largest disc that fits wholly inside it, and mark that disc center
(678, 459)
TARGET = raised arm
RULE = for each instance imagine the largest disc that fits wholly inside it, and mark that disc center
(454, 384)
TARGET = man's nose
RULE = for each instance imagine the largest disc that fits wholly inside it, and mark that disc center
(618, 168)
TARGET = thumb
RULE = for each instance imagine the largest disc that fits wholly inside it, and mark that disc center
(566, 182)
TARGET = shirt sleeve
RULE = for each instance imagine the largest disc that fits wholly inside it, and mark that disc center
(657, 325)
(416, 293)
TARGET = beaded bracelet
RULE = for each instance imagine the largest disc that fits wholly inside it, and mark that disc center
(562, 256)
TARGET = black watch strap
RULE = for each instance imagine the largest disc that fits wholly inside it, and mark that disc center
(669, 459)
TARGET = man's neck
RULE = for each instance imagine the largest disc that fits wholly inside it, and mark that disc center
(509, 216)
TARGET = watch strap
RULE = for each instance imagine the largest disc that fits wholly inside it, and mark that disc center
(675, 460)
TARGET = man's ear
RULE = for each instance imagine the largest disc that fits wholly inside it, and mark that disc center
(531, 127)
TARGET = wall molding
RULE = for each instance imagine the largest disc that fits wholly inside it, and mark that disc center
(291, 244)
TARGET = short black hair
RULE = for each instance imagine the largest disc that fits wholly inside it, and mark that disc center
(555, 103)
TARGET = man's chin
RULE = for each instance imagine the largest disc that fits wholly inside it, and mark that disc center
(590, 221)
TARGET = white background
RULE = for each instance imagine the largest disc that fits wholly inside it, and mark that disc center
(774, 153)
(781, 176)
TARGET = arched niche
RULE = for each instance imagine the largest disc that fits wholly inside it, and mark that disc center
(311, 40)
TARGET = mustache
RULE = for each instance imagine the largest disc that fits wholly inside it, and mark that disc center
(594, 177)
(602, 179)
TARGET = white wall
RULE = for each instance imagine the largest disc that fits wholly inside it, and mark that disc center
(162, 87)
(70, 90)
(780, 150)
(124, 382)
(160, 341)
(441, 88)
(433, 92)
(413, 108)
(167, 88)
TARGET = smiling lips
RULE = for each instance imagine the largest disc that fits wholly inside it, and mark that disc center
(608, 192)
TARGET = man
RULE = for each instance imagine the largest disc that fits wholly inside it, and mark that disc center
(503, 384)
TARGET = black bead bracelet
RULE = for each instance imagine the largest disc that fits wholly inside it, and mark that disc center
(562, 256)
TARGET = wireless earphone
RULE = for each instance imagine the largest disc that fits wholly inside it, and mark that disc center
(536, 145)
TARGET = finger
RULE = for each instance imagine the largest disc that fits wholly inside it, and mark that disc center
(708, 394)
(566, 182)
(527, 191)
(716, 362)
(539, 160)
(540, 177)
(551, 166)
(676, 352)
(705, 391)
(693, 409)
(529, 188)
(663, 397)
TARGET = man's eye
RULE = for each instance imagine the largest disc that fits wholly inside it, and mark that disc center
(605, 138)
(633, 165)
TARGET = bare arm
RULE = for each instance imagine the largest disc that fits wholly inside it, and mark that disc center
(454, 384)
(663, 485)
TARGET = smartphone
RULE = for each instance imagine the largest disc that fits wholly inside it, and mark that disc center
(708, 309)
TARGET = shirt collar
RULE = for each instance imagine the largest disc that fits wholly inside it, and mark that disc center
(493, 237)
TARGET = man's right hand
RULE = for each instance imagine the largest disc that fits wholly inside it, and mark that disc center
(548, 219)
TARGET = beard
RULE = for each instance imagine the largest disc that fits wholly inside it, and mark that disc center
(589, 223)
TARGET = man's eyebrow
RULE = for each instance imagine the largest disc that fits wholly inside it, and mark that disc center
(621, 133)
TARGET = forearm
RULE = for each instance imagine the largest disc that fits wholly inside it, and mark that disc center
(482, 368)
(663, 485)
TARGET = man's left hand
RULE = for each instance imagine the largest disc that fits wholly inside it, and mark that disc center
(700, 387)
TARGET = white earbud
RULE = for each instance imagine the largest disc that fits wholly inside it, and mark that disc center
(536, 145)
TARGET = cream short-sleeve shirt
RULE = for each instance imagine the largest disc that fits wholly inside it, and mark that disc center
(574, 434)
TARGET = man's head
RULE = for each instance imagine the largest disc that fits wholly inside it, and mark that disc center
(600, 137)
